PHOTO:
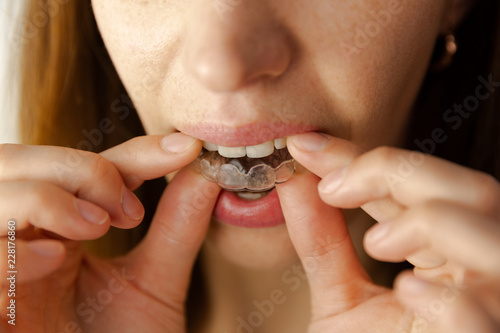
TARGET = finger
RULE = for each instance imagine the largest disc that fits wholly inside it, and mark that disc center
(442, 308)
(455, 232)
(448, 271)
(322, 241)
(410, 178)
(175, 236)
(30, 261)
(323, 154)
(153, 156)
(86, 175)
(426, 259)
(49, 207)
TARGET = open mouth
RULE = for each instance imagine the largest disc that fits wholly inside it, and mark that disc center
(251, 171)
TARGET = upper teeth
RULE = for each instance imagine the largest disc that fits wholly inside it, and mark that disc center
(258, 151)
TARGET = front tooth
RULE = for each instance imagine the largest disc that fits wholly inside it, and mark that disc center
(232, 152)
(210, 146)
(262, 150)
(280, 143)
(251, 195)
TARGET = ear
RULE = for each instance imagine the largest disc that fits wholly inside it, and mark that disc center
(455, 12)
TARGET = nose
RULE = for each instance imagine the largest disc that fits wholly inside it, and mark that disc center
(231, 44)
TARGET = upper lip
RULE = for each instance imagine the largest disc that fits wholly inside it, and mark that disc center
(244, 135)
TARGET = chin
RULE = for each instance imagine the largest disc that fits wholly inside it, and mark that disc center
(252, 248)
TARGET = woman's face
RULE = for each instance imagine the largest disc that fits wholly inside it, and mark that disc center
(351, 69)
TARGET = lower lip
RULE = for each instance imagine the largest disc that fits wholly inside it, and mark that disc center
(261, 213)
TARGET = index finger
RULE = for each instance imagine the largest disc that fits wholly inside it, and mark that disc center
(152, 156)
(322, 154)
(410, 178)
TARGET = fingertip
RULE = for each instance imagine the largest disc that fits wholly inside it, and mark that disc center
(332, 181)
(152, 156)
(132, 206)
(90, 212)
(322, 153)
(178, 143)
(309, 141)
(376, 234)
(378, 242)
(407, 286)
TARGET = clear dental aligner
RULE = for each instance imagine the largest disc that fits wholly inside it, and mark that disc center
(247, 173)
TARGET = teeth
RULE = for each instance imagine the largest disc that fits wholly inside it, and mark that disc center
(210, 146)
(232, 152)
(257, 151)
(251, 195)
(280, 143)
(262, 150)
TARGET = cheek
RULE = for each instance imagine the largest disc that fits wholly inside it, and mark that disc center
(140, 40)
(373, 60)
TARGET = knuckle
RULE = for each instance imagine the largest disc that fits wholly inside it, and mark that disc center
(384, 155)
(100, 168)
(487, 194)
(325, 248)
(172, 237)
(48, 203)
(424, 216)
(42, 196)
(38, 198)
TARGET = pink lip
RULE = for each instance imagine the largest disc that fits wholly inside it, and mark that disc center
(261, 213)
(246, 135)
(230, 209)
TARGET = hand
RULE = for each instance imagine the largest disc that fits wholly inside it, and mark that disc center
(60, 196)
(442, 217)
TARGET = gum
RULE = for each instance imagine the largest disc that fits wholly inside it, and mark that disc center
(247, 174)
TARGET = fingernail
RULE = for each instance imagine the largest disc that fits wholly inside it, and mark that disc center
(46, 248)
(177, 143)
(378, 232)
(91, 212)
(131, 206)
(311, 142)
(332, 181)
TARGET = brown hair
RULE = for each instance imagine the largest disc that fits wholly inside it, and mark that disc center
(68, 83)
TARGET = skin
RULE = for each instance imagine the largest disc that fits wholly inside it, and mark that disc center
(185, 64)
(194, 72)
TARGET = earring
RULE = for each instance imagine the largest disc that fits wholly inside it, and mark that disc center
(446, 48)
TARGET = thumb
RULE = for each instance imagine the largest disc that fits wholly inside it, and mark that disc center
(323, 244)
(163, 261)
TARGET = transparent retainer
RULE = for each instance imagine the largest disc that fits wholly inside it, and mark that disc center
(245, 173)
